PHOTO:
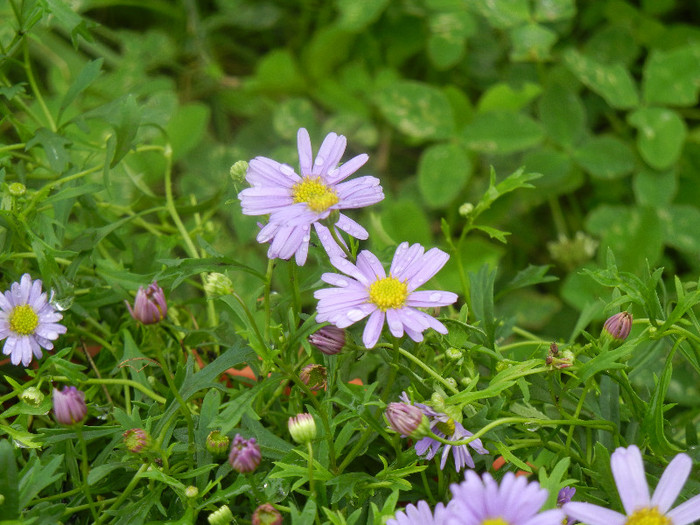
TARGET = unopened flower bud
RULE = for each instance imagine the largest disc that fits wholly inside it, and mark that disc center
(136, 440)
(32, 396)
(302, 427)
(618, 326)
(149, 306)
(454, 354)
(238, 171)
(69, 405)
(17, 189)
(465, 209)
(266, 514)
(407, 420)
(565, 360)
(245, 454)
(314, 376)
(223, 516)
(330, 339)
(565, 495)
(217, 443)
(218, 284)
(191, 492)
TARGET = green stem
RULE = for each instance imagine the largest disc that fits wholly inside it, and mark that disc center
(266, 299)
(577, 412)
(129, 488)
(84, 467)
(340, 243)
(296, 296)
(126, 382)
(312, 492)
(170, 204)
(392, 371)
(432, 373)
(35, 88)
(183, 406)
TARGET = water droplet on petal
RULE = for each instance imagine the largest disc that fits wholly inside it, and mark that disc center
(63, 304)
(319, 161)
(341, 282)
(436, 296)
(306, 238)
(287, 169)
(355, 315)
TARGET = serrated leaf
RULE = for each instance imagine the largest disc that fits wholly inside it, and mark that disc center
(502, 132)
(612, 82)
(605, 157)
(87, 76)
(671, 77)
(660, 135)
(416, 109)
(442, 166)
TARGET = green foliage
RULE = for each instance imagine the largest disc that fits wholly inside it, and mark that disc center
(550, 147)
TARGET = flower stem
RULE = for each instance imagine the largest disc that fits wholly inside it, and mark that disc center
(85, 467)
(312, 492)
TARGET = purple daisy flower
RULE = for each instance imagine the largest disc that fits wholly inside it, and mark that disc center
(28, 321)
(419, 514)
(628, 471)
(368, 291)
(447, 428)
(478, 500)
(295, 202)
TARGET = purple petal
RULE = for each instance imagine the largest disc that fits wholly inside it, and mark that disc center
(628, 471)
(270, 173)
(329, 155)
(358, 193)
(431, 298)
(351, 227)
(337, 279)
(393, 319)
(686, 512)
(369, 264)
(424, 269)
(350, 269)
(671, 482)
(373, 329)
(327, 241)
(593, 514)
(404, 257)
(304, 149)
(346, 169)
(548, 517)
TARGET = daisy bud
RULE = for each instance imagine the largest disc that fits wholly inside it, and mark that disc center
(32, 396)
(245, 454)
(454, 354)
(238, 171)
(330, 339)
(149, 306)
(191, 492)
(618, 326)
(136, 440)
(217, 443)
(302, 427)
(314, 376)
(266, 514)
(565, 495)
(222, 516)
(407, 420)
(218, 284)
(465, 209)
(17, 189)
(69, 405)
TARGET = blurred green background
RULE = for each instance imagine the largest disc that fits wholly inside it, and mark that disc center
(599, 97)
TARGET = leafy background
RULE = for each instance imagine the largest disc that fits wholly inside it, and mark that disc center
(600, 98)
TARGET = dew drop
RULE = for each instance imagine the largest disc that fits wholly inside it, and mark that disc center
(435, 296)
(341, 282)
(355, 315)
(63, 304)
(306, 238)
(319, 161)
(287, 169)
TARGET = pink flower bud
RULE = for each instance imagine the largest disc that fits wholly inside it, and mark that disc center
(245, 454)
(618, 326)
(330, 339)
(266, 514)
(149, 306)
(69, 405)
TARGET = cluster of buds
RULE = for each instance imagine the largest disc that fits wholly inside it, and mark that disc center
(217, 443)
(302, 428)
(149, 306)
(69, 405)
(407, 420)
(314, 376)
(558, 359)
(136, 440)
(330, 339)
(266, 514)
(245, 454)
(618, 326)
(218, 284)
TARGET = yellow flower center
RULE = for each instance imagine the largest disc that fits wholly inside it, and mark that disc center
(647, 516)
(23, 320)
(494, 521)
(388, 293)
(315, 194)
(446, 427)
